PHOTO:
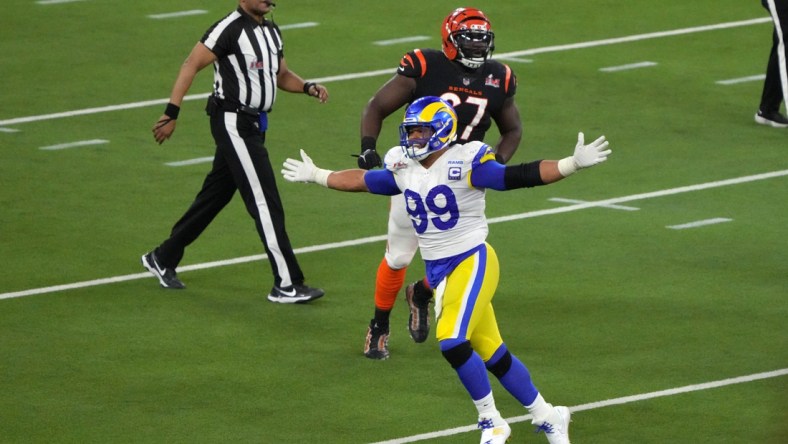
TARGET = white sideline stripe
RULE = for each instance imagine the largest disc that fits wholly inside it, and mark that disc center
(63, 146)
(366, 240)
(575, 201)
(353, 76)
(741, 80)
(628, 66)
(177, 14)
(605, 403)
(699, 223)
(190, 161)
(415, 38)
(9, 130)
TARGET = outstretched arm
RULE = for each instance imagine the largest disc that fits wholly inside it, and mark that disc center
(347, 180)
(585, 156)
(542, 172)
(305, 170)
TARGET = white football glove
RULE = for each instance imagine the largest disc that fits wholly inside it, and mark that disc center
(304, 171)
(585, 155)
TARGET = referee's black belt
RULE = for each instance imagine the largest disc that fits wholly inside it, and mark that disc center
(226, 105)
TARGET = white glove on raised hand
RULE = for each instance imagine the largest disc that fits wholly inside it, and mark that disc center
(585, 155)
(304, 170)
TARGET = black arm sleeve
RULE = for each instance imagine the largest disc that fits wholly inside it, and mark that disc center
(524, 175)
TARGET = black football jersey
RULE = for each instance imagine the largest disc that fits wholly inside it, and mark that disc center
(475, 95)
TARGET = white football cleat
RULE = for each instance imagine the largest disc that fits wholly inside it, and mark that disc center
(494, 430)
(556, 428)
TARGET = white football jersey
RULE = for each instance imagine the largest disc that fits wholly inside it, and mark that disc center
(446, 211)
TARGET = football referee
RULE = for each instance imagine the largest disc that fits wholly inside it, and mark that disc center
(246, 51)
(775, 85)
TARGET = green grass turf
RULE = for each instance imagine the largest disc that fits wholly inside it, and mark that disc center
(600, 303)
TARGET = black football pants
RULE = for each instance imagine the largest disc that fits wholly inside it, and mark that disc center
(241, 163)
(773, 93)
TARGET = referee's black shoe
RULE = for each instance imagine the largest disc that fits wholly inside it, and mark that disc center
(295, 294)
(167, 276)
(773, 119)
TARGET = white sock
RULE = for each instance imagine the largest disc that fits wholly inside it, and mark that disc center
(486, 407)
(540, 409)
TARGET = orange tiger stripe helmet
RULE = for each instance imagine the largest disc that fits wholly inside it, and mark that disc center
(468, 37)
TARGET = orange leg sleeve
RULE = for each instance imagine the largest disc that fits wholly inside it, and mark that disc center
(388, 283)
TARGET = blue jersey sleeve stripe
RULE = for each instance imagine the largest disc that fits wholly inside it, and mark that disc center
(485, 171)
(381, 182)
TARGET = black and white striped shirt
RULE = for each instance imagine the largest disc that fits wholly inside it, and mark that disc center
(248, 56)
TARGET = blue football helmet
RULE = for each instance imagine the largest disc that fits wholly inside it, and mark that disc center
(434, 113)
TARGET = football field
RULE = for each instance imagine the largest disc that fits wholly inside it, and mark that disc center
(649, 294)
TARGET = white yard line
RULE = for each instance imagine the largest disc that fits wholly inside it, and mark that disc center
(605, 403)
(415, 38)
(576, 201)
(55, 2)
(178, 14)
(628, 67)
(638, 37)
(642, 196)
(366, 240)
(735, 81)
(699, 223)
(190, 161)
(63, 146)
(353, 76)
(514, 59)
(299, 25)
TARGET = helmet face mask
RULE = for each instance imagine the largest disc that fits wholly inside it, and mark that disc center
(468, 37)
(473, 47)
(435, 121)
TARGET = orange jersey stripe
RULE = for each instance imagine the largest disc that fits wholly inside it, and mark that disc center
(508, 77)
(422, 60)
(406, 60)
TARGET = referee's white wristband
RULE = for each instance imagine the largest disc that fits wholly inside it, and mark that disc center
(567, 166)
(321, 176)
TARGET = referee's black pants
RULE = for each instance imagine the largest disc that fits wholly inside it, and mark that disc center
(772, 94)
(241, 163)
